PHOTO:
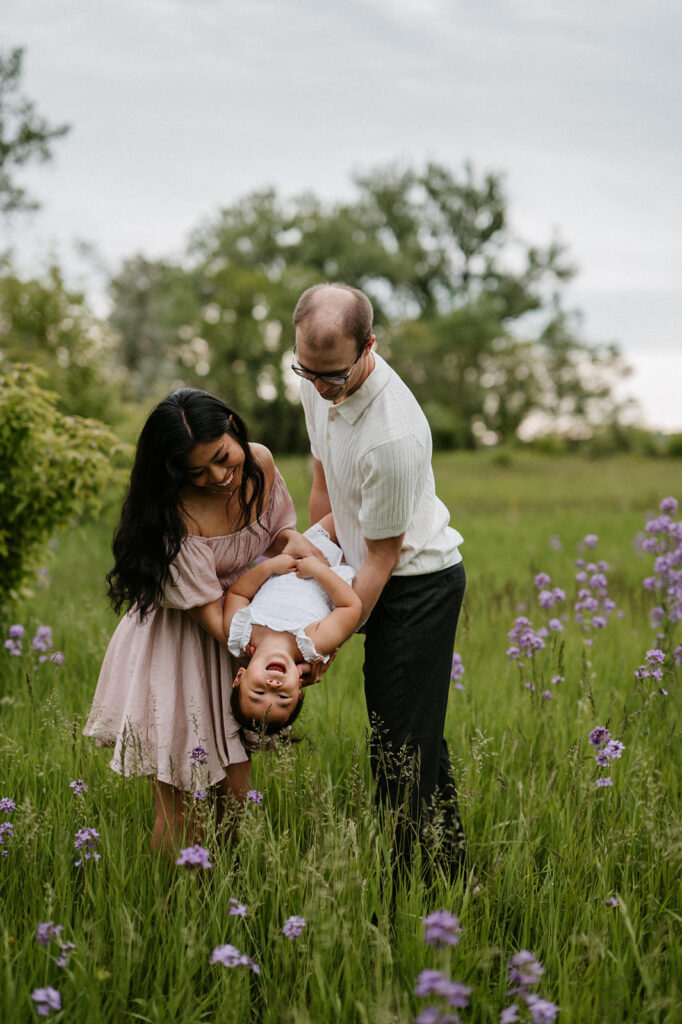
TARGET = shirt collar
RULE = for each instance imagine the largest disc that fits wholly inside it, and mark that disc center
(353, 407)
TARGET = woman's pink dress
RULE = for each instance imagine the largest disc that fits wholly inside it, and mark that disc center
(165, 683)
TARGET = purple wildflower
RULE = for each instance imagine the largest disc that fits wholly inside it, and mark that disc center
(457, 670)
(46, 999)
(293, 927)
(441, 929)
(557, 679)
(669, 506)
(555, 542)
(78, 787)
(57, 658)
(254, 796)
(7, 805)
(556, 625)
(194, 856)
(611, 901)
(541, 1012)
(65, 954)
(14, 647)
(526, 641)
(524, 970)
(6, 832)
(16, 631)
(542, 580)
(605, 780)
(42, 641)
(47, 931)
(548, 695)
(590, 540)
(199, 795)
(237, 909)
(86, 841)
(509, 1015)
(229, 956)
(546, 599)
(599, 735)
(198, 755)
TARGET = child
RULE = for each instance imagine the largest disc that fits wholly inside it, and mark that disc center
(280, 613)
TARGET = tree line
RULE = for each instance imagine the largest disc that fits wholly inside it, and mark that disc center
(470, 315)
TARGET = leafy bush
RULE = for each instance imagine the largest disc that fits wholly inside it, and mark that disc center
(54, 469)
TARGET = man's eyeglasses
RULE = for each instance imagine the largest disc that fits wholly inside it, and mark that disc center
(336, 380)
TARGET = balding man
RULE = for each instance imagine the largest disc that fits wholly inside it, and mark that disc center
(371, 448)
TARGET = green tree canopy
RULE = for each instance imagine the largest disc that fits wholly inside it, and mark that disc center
(469, 314)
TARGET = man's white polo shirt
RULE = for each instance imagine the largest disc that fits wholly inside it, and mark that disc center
(375, 448)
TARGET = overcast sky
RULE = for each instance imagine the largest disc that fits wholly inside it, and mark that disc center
(181, 106)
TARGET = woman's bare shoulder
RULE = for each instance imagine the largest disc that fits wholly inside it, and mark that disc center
(263, 457)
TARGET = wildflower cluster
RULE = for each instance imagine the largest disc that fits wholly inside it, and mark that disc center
(525, 971)
(7, 806)
(41, 642)
(608, 750)
(526, 641)
(442, 930)
(229, 956)
(197, 756)
(293, 927)
(664, 540)
(194, 857)
(87, 841)
(78, 787)
(593, 605)
(48, 931)
(254, 796)
(457, 671)
(46, 1000)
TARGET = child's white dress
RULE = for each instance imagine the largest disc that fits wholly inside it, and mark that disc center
(289, 603)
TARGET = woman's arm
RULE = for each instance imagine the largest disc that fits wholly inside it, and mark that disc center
(336, 627)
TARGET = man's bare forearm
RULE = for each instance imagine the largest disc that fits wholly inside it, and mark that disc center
(375, 571)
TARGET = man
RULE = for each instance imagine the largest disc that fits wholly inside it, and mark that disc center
(371, 448)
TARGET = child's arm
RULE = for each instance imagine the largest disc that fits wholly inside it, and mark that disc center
(341, 622)
(244, 589)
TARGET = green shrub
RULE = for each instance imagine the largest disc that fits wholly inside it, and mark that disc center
(54, 468)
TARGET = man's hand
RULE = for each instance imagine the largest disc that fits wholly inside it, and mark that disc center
(311, 674)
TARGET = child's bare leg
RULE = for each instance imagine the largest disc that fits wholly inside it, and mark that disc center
(172, 817)
(232, 796)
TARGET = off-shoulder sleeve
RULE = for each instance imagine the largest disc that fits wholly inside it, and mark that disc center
(193, 577)
(281, 513)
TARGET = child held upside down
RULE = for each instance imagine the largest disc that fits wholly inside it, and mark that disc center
(281, 613)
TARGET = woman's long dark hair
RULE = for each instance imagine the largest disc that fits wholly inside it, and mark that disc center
(150, 530)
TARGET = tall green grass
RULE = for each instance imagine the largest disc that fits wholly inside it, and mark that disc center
(546, 847)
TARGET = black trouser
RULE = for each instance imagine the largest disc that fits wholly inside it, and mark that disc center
(409, 642)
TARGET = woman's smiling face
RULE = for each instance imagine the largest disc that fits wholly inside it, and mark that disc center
(216, 465)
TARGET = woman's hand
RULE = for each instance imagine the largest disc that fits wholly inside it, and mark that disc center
(280, 565)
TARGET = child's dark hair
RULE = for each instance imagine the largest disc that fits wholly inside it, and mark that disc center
(150, 530)
(257, 735)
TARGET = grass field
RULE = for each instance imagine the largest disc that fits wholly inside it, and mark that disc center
(586, 877)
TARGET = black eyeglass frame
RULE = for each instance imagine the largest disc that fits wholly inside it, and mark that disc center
(324, 377)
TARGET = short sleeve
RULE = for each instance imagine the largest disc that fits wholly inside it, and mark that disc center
(241, 628)
(193, 578)
(307, 398)
(393, 478)
(308, 649)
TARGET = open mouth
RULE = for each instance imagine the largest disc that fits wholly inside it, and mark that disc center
(229, 480)
(276, 666)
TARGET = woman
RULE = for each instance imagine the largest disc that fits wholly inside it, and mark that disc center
(203, 503)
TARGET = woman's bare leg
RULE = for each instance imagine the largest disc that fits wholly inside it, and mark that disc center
(173, 815)
(232, 795)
